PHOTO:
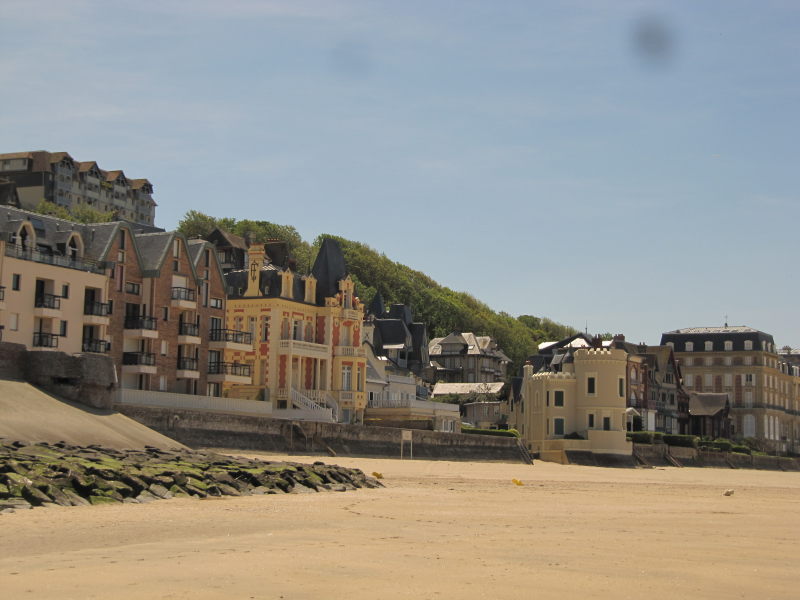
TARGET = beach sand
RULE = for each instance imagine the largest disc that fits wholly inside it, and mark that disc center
(438, 530)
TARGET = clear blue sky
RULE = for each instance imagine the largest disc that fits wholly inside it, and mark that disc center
(625, 164)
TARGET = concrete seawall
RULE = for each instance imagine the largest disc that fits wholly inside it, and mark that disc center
(242, 432)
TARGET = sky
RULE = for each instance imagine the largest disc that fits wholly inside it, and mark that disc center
(619, 166)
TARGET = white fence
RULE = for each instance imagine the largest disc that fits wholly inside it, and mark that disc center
(392, 400)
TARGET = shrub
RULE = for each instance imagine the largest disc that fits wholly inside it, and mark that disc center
(498, 432)
(658, 436)
(741, 449)
(574, 436)
(641, 437)
(723, 445)
(686, 441)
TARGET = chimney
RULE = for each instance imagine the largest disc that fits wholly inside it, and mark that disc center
(255, 260)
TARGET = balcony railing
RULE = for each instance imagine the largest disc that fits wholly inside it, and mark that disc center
(188, 329)
(231, 335)
(45, 340)
(99, 346)
(147, 359)
(223, 368)
(140, 323)
(186, 363)
(97, 309)
(80, 264)
(47, 301)
(181, 293)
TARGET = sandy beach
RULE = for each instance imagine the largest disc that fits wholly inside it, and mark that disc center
(438, 530)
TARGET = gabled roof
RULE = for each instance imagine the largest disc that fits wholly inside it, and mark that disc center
(376, 308)
(707, 404)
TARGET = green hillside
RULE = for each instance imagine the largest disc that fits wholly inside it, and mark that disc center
(443, 309)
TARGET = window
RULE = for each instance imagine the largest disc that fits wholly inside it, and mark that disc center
(558, 399)
(122, 240)
(547, 398)
(133, 288)
(728, 345)
(162, 383)
(749, 379)
(347, 378)
(689, 346)
(558, 426)
(748, 344)
(264, 329)
(591, 420)
(728, 361)
(207, 257)
(748, 360)
(13, 321)
(216, 302)
(708, 381)
(590, 385)
(688, 361)
(165, 313)
(65, 290)
(16, 279)
(621, 387)
(176, 248)
(175, 265)
(359, 377)
(606, 423)
(63, 329)
(709, 345)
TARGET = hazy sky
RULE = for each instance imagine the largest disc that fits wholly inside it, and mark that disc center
(622, 164)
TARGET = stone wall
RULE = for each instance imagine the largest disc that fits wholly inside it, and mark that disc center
(85, 378)
(655, 454)
(244, 432)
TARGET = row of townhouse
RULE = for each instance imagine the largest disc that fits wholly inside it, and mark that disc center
(154, 302)
(60, 179)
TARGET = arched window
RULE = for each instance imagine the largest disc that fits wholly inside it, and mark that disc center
(689, 346)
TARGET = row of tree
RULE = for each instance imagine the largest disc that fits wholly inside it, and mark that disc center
(443, 309)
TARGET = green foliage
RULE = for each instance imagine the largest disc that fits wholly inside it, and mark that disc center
(496, 432)
(77, 214)
(574, 436)
(642, 437)
(741, 449)
(686, 441)
(722, 444)
(441, 308)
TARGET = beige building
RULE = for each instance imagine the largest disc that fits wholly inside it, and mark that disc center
(744, 362)
(577, 403)
(467, 358)
(60, 179)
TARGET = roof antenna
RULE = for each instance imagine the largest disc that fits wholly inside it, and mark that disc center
(726, 320)
(586, 328)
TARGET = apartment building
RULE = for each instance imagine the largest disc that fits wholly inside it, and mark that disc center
(742, 361)
(60, 179)
(307, 332)
(155, 303)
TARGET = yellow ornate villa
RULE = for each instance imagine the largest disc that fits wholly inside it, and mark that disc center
(307, 350)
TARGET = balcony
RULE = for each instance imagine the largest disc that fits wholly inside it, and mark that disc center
(348, 351)
(96, 346)
(15, 251)
(47, 306)
(143, 363)
(352, 314)
(352, 398)
(96, 313)
(189, 333)
(141, 327)
(187, 368)
(222, 372)
(230, 339)
(300, 348)
(184, 298)
(45, 340)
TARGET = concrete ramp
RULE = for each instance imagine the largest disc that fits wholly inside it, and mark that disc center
(28, 414)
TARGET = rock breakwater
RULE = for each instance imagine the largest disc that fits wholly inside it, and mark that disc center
(61, 474)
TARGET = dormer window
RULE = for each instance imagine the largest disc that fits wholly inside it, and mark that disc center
(709, 345)
(689, 346)
(748, 344)
(728, 345)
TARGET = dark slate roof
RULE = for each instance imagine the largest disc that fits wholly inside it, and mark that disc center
(707, 404)
(718, 335)
(376, 308)
(329, 268)
(97, 241)
(393, 332)
(402, 312)
(419, 342)
(153, 248)
(269, 283)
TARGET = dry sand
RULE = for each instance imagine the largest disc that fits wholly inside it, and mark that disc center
(438, 530)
